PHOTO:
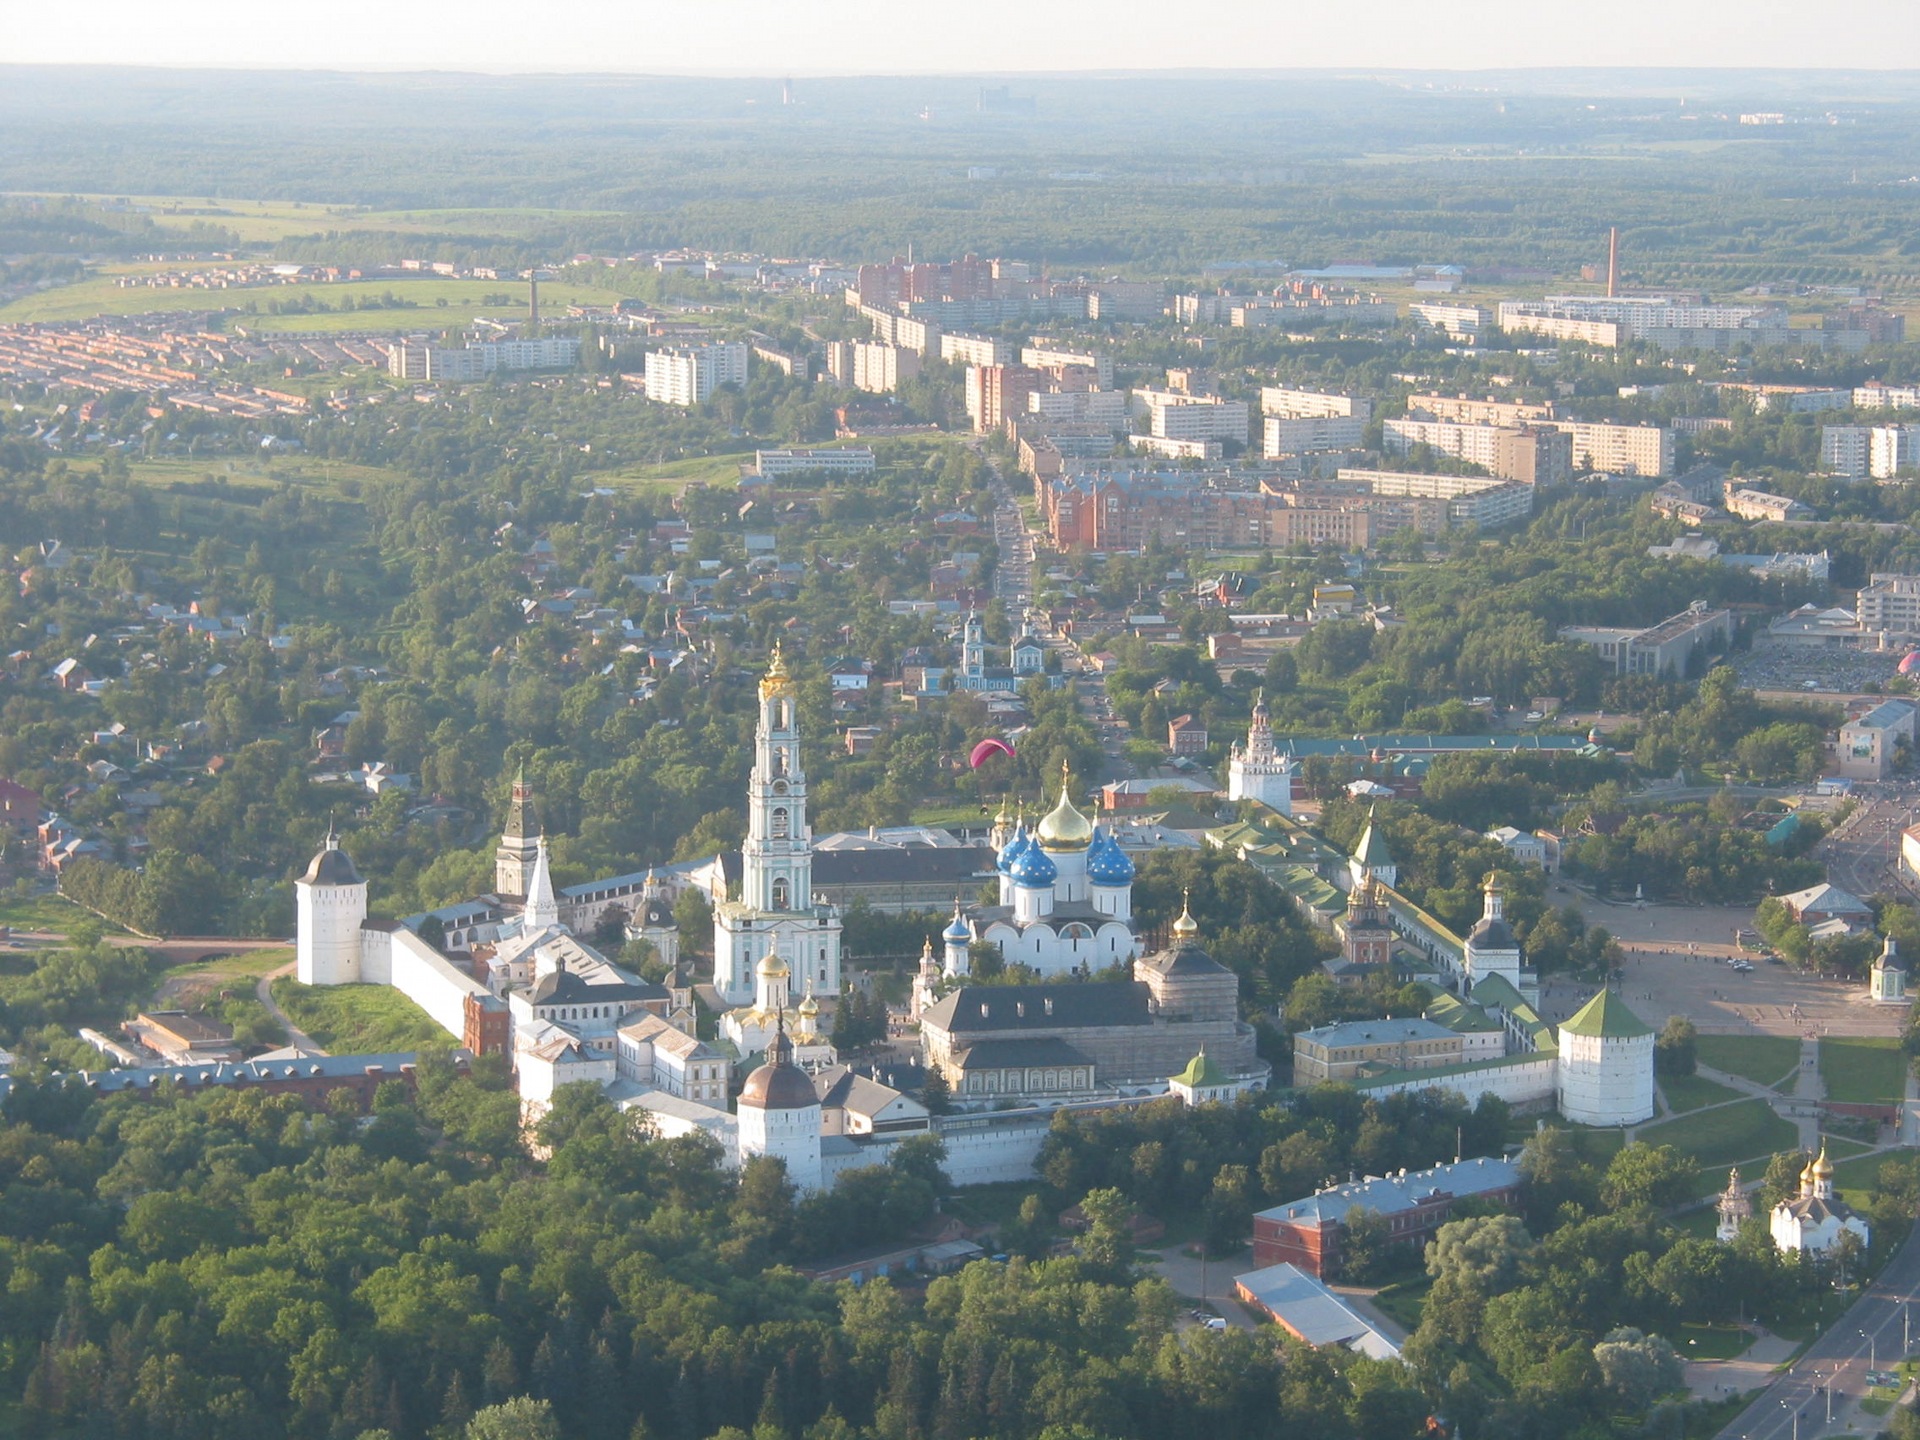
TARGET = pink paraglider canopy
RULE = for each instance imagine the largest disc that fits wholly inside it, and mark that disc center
(986, 750)
(1910, 662)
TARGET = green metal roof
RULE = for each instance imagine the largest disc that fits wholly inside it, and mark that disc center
(1201, 1072)
(1373, 845)
(1606, 1015)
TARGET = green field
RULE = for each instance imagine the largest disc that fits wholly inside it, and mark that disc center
(1699, 1341)
(1763, 1059)
(437, 301)
(246, 473)
(1403, 1303)
(1727, 1135)
(50, 912)
(1597, 1147)
(358, 1019)
(1863, 1070)
(1854, 1179)
(1691, 1092)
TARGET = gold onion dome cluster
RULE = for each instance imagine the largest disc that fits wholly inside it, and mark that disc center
(1065, 829)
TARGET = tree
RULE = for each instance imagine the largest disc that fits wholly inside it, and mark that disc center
(1555, 1174)
(521, 1418)
(1641, 1174)
(1674, 1051)
(1107, 1244)
(1487, 1252)
(1637, 1368)
(1366, 1246)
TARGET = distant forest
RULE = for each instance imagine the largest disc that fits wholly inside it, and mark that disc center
(1159, 175)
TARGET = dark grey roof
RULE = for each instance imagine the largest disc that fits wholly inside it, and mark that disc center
(332, 867)
(923, 864)
(1492, 935)
(991, 1008)
(1184, 960)
(563, 987)
(1009, 1054)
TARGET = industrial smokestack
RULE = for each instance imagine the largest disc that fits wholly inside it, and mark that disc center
(533, 298)
(1613, 261)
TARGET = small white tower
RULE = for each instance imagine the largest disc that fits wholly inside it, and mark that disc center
(957, 937)
(780, 1114)
(330, 902)
(1735, 1207)
(1255, 771)
(1888, 980)
(1491, 948)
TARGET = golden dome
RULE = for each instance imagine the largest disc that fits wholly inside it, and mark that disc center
(1186, 929)
(809, 1006)
(772, 966)
(776, 681)
(1065, 828)
(1822, 1167)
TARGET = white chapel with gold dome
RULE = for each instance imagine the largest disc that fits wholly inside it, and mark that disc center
(1065, 897)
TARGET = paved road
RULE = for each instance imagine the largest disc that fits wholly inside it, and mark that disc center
(1863, 857)
(295, 1035)
(1871, 1330)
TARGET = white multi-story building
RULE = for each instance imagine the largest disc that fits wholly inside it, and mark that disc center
(852, 460)
(1313, 404)
(1890, 604)
(1174, 415)
(1476, 444)
(1290, 435)
(1469, 411)
(1892, 449)
(1875, 396)
(1461, 322)
(1047, 357)
(1844, 450)
(690, 375)
(1619, 449)
(975, 349)
(1091, 407)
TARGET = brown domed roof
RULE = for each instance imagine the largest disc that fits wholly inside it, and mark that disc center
(779, 1084)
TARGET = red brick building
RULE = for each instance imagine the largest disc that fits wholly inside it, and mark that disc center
(1308, 1232)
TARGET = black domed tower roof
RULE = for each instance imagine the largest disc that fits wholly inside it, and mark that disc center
(332, 866)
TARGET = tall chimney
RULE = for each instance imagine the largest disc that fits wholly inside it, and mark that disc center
(533, 297)
(1613, 261)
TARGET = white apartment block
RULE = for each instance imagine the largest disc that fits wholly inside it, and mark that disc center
(1205, 417)
(1892, 449)
(1284, 435)
(850, 460)
(1464, 322)
(1875, 396)
(975, 349)
(1091, 407)
(1481, 500)
(1475, 444)
(1619, 449)
(1478, 412)
(1843, 450)
(690, 375)
(1042, 357)
(416, 361)
(1313, 404)
(1890, 604)
(879, 368)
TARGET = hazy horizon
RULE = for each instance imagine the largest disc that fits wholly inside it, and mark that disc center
(760, 38)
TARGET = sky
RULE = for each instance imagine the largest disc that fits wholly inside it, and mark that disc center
(853, 37)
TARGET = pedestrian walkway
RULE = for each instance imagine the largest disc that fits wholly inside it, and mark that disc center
(1749, 1370)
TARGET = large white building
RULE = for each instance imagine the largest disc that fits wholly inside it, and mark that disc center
(1287, 403)
(689, 375)
(1256, 770)
(1302, 435)
(776, 913)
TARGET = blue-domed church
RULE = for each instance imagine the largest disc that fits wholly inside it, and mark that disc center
(1065, 897)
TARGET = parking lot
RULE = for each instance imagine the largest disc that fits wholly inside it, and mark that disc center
(1677, 964)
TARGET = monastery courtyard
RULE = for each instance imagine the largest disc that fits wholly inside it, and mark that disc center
(1677, 965)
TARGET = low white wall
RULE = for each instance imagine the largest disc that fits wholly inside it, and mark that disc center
(419, 972)
(1525, 1082)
